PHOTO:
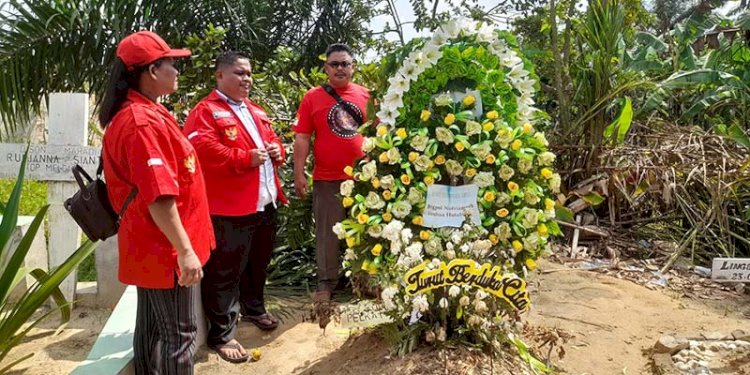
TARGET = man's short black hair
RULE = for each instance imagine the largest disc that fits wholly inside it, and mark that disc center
(339, 47)
(228, 58)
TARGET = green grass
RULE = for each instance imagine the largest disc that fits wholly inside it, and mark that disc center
(33, 197)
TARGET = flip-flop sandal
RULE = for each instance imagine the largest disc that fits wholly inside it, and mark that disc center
(258, 321)
(231, 345)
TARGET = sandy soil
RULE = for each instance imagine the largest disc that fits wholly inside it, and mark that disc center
(612, 323)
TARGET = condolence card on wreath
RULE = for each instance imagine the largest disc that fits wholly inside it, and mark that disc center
(447, 206)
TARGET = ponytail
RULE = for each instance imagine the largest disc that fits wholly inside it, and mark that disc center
(120, 81)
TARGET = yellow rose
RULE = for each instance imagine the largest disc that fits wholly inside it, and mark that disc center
(527, 128)
(387, 217)
(372, 269)
(348, 201)
(376, 249)
(494, 239)
(429, 180)
(492, 115)
(382, 130)
(424, 235)
(469, 100)
(362, 218)
(401, 133)
(460, 146)
(439, 160)
(516, 145)
(405, 179)
(425, 115)
(542, 230)
(365, 265)
(449, 119)
(351, 241)
(488, 126)
(471, 172)
(517, 246)
(502, 212)
(549, 204)
(413, 156)
(383, 158)
(417, 220)
(375, 182)
(490, 159)
(387, 195)
(546, 173)
(512, 186)
(489, 196)
(349, 170)
(530, 264)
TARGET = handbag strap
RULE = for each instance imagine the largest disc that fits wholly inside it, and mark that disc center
(356, 115)
(99, 171)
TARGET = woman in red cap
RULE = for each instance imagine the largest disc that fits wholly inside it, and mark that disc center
(165, 234)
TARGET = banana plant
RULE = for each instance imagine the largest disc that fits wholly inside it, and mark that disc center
(16, 314)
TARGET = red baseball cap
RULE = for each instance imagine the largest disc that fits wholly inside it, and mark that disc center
(145, 47)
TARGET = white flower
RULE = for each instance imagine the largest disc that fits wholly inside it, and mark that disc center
(429, 336)
(473, 128)
(481, 295)
(456, 237)
(530, 217)
(432, 53)
(394, 156)
(400, 209)
(398, 84)
(375, 230)
(368, 144)
(373, 201)
(439, 38)
(481, 247)
(387, 115)
(506, 172)
(517, 72)
(530, 197)
(406, 235)
(443, 100)
(484, 179)
(502, 231)
(346, 188)
(433, 246)
(525, 163)
(392, 230)
(444, 135)
(393, 99)
(531, 242)
(480, 307)
(454, 291)
(418, 59)
(526, 86)
(409, 71)
(420, 303)
(415, 195)
(474, 320)
(464, 301)
(546, 158)
(386, 182)
(339, 230)
(423, 163)
(454, 168)
(450, 254)
(350, 255)
(554, 183)
(435, 263)
(443, 303)
(387, 296)
(501, 199)
(369, 171)
(485, 34)
(419, 142)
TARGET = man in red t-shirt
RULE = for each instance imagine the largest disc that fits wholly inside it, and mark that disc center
(334, 121)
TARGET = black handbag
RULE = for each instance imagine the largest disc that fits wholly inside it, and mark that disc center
(90, 206)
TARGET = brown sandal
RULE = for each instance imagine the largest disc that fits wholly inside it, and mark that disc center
(231, 345)
(258, 321)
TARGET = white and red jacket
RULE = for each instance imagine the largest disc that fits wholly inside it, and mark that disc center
(224, 149)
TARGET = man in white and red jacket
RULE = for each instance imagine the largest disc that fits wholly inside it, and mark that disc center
(239, 152)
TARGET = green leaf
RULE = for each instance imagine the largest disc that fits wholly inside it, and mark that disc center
(617, 130)
(738, 135)
(593, 198)
(563, 213)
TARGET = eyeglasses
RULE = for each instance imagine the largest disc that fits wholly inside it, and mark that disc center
(337, 64)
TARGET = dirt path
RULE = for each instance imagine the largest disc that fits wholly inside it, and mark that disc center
(612, 322)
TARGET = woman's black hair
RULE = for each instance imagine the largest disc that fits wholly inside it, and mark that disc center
(120, 81)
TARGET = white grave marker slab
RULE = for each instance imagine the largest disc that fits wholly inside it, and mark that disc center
(732, 270)
(446, 205)
(47, 162)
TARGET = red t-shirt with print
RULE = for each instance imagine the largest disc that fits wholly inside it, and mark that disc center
(144, 147)
(337, 143)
